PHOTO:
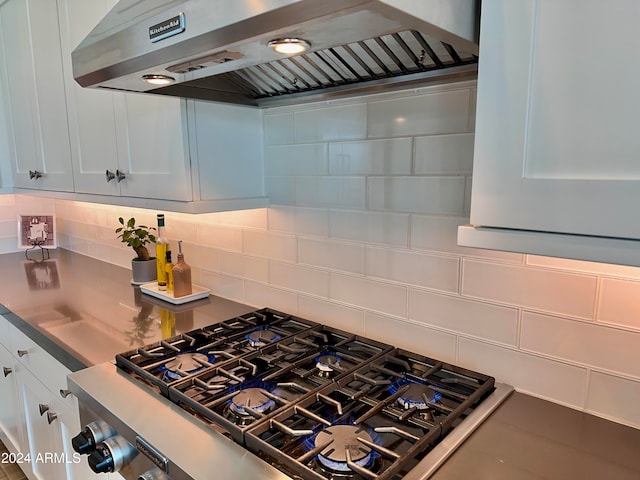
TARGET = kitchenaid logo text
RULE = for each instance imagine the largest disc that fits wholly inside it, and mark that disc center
(165, 29)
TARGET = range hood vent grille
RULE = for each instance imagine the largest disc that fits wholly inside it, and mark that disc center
(374, 59)
(403, 58)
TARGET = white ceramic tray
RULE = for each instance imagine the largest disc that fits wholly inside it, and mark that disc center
(152, 289)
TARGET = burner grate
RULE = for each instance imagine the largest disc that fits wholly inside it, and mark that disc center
(406, 403)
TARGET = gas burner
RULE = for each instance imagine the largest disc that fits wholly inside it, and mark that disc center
(340, 440)
(327, 363)
(417, 395)
(262, 337)
(186, 362)
(251, 398)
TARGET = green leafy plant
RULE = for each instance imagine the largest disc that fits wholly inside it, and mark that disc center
(136, 237)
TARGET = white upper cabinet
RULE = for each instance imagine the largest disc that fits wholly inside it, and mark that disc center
(556, 146)
(137, 150)
(36, 107)
(122, 144)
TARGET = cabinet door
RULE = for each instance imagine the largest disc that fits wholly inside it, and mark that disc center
(226, 141)
(21, 106)
(10, 413)
(37, 105)
(556, 145)
(153, 146)
(92, 122)
(47, 457)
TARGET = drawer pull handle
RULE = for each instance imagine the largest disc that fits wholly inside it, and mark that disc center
(110, 175)
(120, 175)
(64, 393)
(51, 417)
(43, 408)
(22, 353)
(6, 371)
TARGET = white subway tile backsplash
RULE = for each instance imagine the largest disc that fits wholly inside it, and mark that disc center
(198, 255)
(373, 157)
(9, 228)
(552, 291)
(331, 123)
(7, 212)
(8, 201)
(244, 266)
(305, 159)
(527, 373)
(227, 238)
(332, 314)
(370, 294)
(223, 285)
(266, 296)
(278, 246)
(303, 279)
(579, 342)
(278, 128)
(614, 397)
(9, 244)
(370, 227)
(346, 257)
(416, 338)
(620, 302)
(340, 192)
(439, 195)
(253, 218)
(429, 271)
(483, 320)
(299, 220)
(444, 154)
(429, 114)
(440, 233)
(281, 190)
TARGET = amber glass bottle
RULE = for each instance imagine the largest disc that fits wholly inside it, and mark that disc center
(181, 276)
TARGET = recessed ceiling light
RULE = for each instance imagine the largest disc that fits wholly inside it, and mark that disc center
(289, 46)
(158, 79)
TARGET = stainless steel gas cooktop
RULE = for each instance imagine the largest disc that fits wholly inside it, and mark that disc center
(277, 396)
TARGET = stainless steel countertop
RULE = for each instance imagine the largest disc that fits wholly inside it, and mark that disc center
(87, 312)
(527, 438)
(84, 311)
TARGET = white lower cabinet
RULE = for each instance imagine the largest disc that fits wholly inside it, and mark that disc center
(37, 416)
(11, 424)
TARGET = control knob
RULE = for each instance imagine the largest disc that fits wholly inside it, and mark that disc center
(111, 455)
(92, 434)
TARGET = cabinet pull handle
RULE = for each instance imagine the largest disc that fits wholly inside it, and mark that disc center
(64, 393)
(120, 175)
(42, 408)
(35, 174)
(22, 353)
(6, 371)
(110, 175)
(51, 416)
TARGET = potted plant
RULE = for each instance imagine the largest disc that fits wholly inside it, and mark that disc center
(137, 237)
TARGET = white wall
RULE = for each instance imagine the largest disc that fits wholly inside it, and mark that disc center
(367, 194)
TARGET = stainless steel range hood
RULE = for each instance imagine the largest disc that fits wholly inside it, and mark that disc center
(218, 49)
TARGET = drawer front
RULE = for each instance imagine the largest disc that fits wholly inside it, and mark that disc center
(38, 361)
